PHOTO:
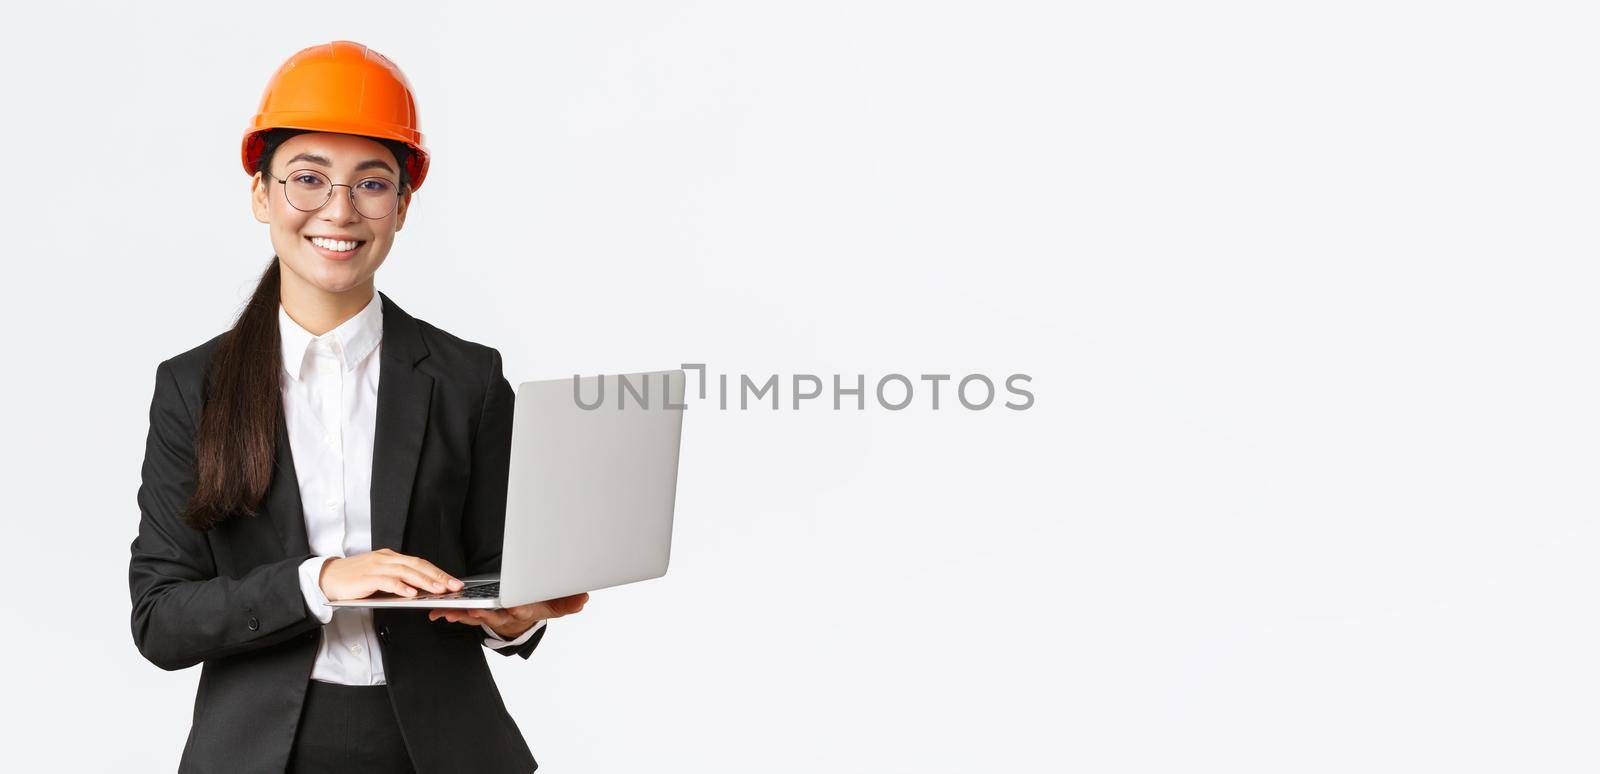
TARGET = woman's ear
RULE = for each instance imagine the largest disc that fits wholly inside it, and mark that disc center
(258, 198)
(400, 212)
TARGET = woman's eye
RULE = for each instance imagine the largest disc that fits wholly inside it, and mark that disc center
(311, 180)
(374, 185)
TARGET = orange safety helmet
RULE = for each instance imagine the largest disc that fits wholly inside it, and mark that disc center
(340, 87)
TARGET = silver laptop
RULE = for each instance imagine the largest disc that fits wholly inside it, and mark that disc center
(590, 497)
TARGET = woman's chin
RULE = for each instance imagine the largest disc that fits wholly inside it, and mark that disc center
(335, 278)
(336, 285)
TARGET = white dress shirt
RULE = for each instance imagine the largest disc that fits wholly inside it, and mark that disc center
(330, 405)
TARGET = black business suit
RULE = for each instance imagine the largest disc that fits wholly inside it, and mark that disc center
(230, 597)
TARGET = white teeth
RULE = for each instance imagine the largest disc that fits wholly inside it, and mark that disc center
(336, 245)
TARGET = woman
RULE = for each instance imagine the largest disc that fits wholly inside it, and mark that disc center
(331, 446)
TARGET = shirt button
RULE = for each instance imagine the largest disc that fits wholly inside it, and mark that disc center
(328, 437)
(356, 648)
(333, 504)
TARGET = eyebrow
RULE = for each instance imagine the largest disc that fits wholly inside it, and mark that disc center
(323, 160)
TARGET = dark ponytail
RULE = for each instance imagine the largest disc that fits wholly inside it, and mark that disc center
(237, 440)
(236, 444)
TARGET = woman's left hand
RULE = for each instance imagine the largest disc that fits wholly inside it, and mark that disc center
(511, 622)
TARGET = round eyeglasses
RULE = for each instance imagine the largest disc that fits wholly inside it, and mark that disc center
(308, 190)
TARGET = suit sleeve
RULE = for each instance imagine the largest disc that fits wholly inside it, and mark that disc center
(492, 639)
(183, 613)
(484, 522)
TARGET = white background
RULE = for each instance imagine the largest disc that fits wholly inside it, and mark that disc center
(1306, 291)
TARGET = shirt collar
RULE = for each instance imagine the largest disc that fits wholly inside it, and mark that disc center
(356, 337)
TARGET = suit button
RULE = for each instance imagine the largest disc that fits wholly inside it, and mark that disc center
(383, 632)
(253, 624)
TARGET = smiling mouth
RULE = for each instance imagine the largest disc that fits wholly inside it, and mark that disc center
(336, 245)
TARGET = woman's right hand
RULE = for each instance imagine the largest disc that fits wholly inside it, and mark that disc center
(362, 575)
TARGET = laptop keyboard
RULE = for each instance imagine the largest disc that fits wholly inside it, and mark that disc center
(485, 591)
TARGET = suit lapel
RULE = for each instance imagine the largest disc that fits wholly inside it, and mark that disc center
(283, 497)
(404, 394)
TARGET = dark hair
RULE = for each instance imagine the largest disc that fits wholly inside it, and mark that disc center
(236, 443)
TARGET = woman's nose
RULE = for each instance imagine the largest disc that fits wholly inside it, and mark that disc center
(339, 209)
